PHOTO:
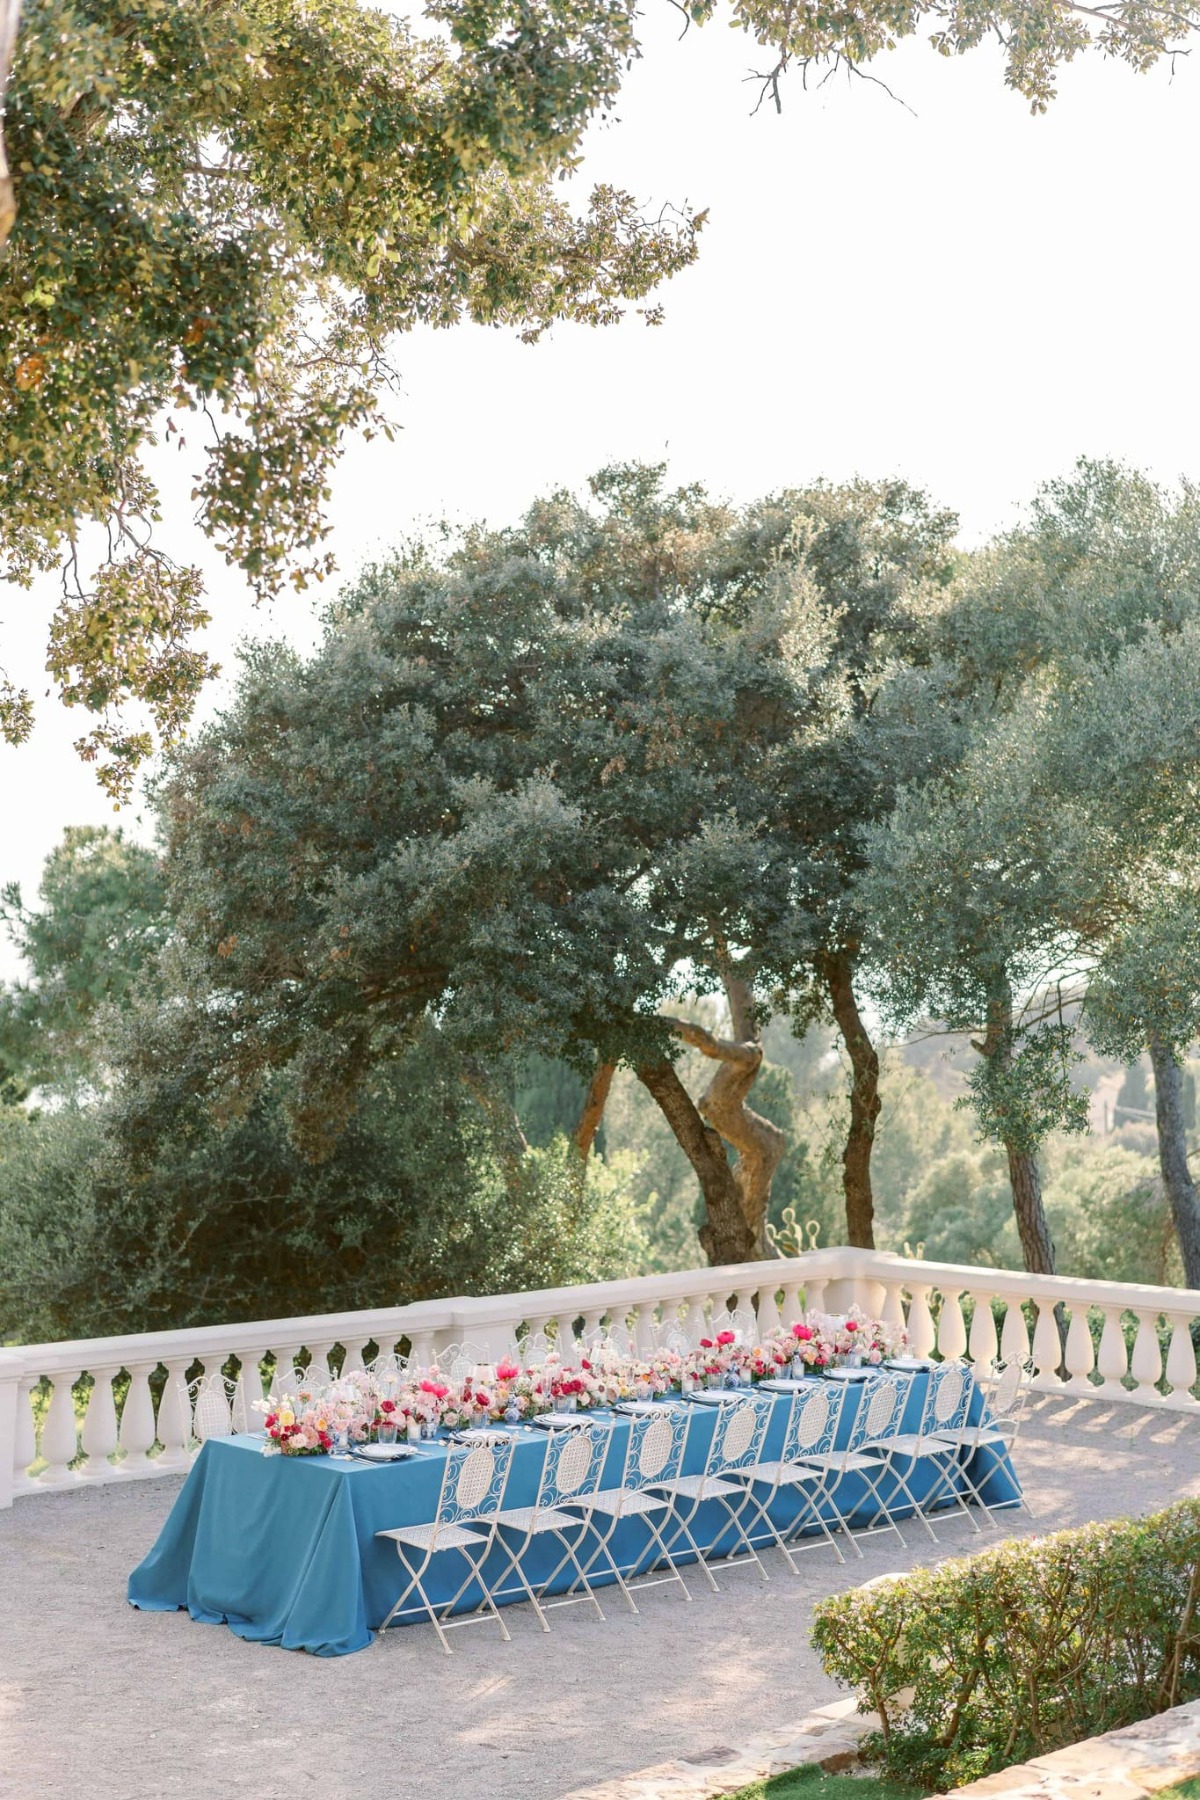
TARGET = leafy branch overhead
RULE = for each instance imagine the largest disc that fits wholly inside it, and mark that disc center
(224, 215)
(219, 217)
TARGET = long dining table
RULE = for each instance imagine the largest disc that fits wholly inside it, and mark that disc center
(283, 1550)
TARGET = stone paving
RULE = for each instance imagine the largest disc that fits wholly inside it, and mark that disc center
(1121, 1765)
(98, 1702)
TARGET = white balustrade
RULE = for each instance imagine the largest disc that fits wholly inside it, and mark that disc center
(118, 1443)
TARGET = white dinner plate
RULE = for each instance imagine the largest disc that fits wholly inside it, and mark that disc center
(847, 1374)
(385, 1453)
(908, 1364)
(557, 1421)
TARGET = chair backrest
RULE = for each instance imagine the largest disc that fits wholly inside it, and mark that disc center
(740, 1429)
(947, 1398)
(473, 1480)
(389, 1370)
(533, 1349)
(880, 1410)
(209, 1402)
(656, 1445)
(813, 1420)
(456, 1362)
(575, 1456)
(742, 1321)
(670, 1335)
(1007, 1390)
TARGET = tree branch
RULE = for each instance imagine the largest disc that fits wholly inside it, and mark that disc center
(592, 1111)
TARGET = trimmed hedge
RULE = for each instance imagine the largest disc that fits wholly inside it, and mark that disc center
(1024, 1648)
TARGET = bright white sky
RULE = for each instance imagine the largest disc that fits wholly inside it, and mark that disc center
(970, 297)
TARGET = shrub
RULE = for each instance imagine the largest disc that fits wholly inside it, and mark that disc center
(1024, 1648)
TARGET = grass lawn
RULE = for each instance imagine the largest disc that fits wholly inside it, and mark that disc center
(1187, 1790)
(809, 1782)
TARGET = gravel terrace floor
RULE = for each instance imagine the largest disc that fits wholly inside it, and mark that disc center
(99, 1702)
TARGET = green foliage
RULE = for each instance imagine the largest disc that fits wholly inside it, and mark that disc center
(1024, 1648)
(196, 1224)
(224, 214)
(1021, 1097)
(99, 925)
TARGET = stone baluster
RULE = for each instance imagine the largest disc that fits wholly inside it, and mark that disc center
(1113, 1360)
(1047, 1348)
(136, 1433)
(982, 1341)
(352, 1354)
(921, 1334)
(1014, 1333)
(694, 1320)
(591, 1322)
(644, 1330)
(1079, 1355)
(249, 1389)
(175, 1416)
(768, 1311)
(792, 1309)
(283, 1381)
(952, 1328)
(892, 1311)
(1146, 1362)
(421, 1349)
(60, 1439)
(99, 1434)
(744, 1300)
(1181, 1363)
(318, 1362)
(25, 1445)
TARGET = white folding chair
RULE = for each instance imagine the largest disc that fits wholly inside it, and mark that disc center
(570, 1476)
(653, 1454)
(1006, 1393)
(208, 1406)
(811, 1431)
(945, 1409)
(473, 1483)
(879, 1412)
(533, 1349)
(740, 1427)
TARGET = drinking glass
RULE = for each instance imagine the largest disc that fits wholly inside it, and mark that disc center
(387, 1430)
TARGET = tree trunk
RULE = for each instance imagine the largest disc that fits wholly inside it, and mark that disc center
(1024, 1176)
(592, 1111)
(759, 1143)
(865, 1103)
(10, 21)
(726, 1234)
(1172, 1155)
(1037, 1246)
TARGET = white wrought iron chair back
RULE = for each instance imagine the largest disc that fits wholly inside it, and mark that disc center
(209, 1402)
(669, 1334)
(574, 1464)
(389, 1370)
(457, 1362)
(473, 1481)
(616, 1336)
(880, 1410)
(813, 1421)
(1007, 1389)
(738, 1439)
(742, 1321)
(947, 1399)
(532, 1349)
(656, 1445)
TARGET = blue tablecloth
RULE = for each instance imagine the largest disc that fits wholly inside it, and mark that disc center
(283, 1549)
